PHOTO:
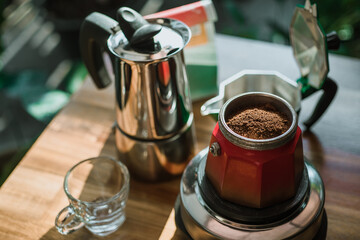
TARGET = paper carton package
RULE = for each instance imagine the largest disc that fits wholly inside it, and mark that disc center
(200, 53)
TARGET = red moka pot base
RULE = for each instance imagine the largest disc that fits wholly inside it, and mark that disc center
(255, 178)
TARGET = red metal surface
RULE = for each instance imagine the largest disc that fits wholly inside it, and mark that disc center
(255, 178)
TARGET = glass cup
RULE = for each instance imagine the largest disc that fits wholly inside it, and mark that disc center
(97, 189)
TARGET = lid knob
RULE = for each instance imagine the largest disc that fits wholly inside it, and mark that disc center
(137, 30)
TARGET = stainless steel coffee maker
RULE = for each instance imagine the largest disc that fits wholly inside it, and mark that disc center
(154, 120)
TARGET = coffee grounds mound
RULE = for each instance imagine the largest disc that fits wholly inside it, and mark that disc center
(261, 122)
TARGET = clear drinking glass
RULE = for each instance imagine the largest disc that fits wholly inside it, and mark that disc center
(97, 189)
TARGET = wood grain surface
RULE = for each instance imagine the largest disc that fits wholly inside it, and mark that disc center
(33, 194)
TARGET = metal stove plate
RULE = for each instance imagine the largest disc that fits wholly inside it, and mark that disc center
(203, 223)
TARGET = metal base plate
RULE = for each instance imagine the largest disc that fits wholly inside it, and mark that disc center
(200, 221)
(320, 235)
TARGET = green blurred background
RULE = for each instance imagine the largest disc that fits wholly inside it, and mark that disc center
(40, 66)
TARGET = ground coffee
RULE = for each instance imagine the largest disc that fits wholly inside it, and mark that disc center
(260, 122)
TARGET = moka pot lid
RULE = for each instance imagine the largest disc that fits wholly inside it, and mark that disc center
(309, 45)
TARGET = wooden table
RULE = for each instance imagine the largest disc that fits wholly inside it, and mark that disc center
(33, 194)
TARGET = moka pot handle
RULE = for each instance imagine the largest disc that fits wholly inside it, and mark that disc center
(94, 33)
(329, 88)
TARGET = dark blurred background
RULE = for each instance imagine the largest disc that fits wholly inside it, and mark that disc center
(40, 66)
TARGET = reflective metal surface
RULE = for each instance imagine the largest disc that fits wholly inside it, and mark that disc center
(309, 45)
(201, 222)
(154, 135)
(157, 160)
(152, 93)
(254, 99)
(254, 81)
(172, 38)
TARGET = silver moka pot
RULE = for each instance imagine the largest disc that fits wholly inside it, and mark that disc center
(154, 120)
